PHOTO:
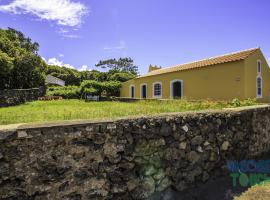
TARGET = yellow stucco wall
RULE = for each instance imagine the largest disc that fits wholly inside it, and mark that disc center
(220, 82)
(251, 75)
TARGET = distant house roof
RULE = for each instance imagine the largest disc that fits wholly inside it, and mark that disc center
(236, 56)
(54, 80)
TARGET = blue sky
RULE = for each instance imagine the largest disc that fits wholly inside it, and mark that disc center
(78, 33)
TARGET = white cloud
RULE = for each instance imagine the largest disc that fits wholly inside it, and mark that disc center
(60, 55)
(63, 12)
(83, 68)
(121, 46)
(55, 61)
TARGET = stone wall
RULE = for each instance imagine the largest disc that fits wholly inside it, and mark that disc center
(127, 158)
(19, 96)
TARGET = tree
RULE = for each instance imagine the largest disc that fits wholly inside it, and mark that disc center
(21, 66)
(120, 65)
(70, 76)
(6, 65)
(121, 76)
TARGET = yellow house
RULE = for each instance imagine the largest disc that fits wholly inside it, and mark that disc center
(241, 75)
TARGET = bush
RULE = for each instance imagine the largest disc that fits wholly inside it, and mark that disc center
(112, 88)
(122, 76)
(247, 102)
(109, 88)
(67, 92)
(236, 102)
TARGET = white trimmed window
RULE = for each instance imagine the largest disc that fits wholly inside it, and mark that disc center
(259, 67)
(157, 90)
(259, 86)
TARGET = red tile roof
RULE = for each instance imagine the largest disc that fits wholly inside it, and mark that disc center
(236, 56)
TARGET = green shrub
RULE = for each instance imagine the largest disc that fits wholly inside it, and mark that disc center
(121, 77)
(67, 92)
(109, 88)
(112, 88)
(91, 84)
(236, 102)
(247, 102)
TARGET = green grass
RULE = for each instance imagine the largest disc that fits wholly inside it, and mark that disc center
(39, 111)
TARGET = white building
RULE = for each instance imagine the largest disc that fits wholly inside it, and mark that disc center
(53, 80)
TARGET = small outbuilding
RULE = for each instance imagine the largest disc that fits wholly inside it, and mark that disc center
(244, 74)
(54, 80)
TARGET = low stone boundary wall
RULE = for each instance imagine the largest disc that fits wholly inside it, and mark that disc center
(127, 158)
(19, 96)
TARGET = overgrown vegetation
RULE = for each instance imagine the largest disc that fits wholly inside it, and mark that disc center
(39, 111)
(67, 92)
(20, 65)
(120, 70)
(107, 89)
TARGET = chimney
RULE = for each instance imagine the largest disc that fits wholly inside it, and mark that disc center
(153, 67)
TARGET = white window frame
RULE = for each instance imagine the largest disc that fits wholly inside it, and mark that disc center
(259, 72)
(153, 89)
(257, 95)
(142, 84)
(171, 87)
(130, 92)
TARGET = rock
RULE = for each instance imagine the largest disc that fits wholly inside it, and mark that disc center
(98, 138)
(182, 138)
(1, 156)
(181, 185)
(7, 134)
(159, 142)
(145, 189)
(219, 122)
(213, 156)
(183, 145)
(22, 134)
(159, 175)
(73, 196)
(205, 176)
(149, 170)
(165, 129)
(132, 184)
(111, 151)
(97, 187)
(111, 126)
(185, 128)
(164, 184)
(192, 174)
(206, 143)
(82, 174)
(199, 149)
(225, 146)
(197, 140)
(193, 157)
(89, 128)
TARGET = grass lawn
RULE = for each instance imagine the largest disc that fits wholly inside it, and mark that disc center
(39, 111)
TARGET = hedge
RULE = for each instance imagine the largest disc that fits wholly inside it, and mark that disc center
(67, 92)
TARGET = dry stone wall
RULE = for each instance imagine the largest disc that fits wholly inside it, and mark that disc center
(19, 96)
(128, 158)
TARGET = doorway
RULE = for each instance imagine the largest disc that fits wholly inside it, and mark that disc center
(143, 91)
(177, 89)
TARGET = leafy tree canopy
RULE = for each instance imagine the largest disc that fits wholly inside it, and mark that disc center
(119, 65)
(20, 64)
